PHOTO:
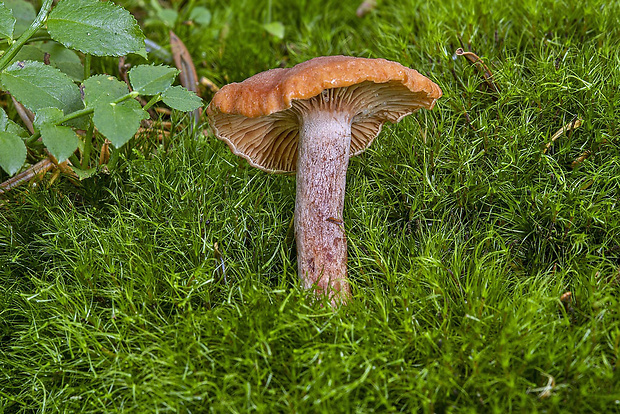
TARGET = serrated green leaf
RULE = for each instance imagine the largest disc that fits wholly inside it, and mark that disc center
(275, 28)
(61, 141)
(200, 15)
(12, 152)
(6, 125)
(37, 86)
(4, 120)
(7, 22)
(100, 89)
(18, 130)
(84, 174)
(67, 61)
(119, 122)
(96, 28)
(46, 116)
(179, 98)
(151, 80)
(24, 14)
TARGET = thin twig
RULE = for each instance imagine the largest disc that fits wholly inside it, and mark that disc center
(64, 168)
(575, 123)
(163, 111)
(584, 156)
(545, 392)
(480, 65)
(123, 68)
(209, 84)
(39, 168)
(161, 135)
(104, 154)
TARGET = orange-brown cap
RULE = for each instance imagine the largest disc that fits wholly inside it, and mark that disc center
(259, 119)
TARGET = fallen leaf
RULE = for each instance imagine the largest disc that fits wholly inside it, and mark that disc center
(188, 77)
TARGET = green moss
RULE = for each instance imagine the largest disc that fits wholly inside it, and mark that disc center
(463, 237)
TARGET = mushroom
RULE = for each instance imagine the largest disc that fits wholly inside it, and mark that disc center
(310, 119)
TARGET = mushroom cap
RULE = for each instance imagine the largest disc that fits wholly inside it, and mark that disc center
(259, 118)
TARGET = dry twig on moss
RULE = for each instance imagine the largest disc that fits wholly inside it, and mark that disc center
(188, 76)
(36, 170)
(574, 124)
(481, 66)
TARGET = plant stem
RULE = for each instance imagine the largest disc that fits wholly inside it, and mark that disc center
(269, 11)
(72, 115)
(113, 157)
(40, 36)
(88, 145)
(87, 66)
(130, 95)
(77, 114)
(152, 102)
(74, 160)
(15, 47)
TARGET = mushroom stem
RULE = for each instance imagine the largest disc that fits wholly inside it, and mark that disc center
(322, 160)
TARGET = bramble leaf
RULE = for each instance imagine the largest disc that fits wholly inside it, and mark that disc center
(96, 28)
(46, 116)
(61, 141)
(12, 152)
(59, 57)
(84, 174)
(24, 14)
(6, 125)
(37, 86)
(100, 89)
(179, 98)
(7, 22)
(119, 122)
(151, 80)
(4, 120)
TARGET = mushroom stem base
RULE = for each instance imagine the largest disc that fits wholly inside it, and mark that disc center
(323, 157)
